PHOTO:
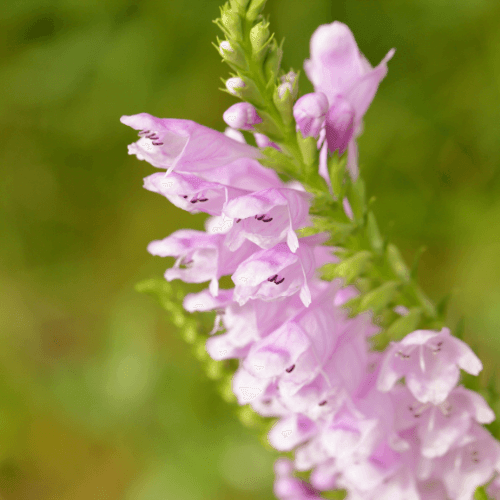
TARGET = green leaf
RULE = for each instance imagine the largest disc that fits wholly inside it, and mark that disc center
(278, 161)
(379, 298)
(356, 198)
(373, 232)
(405, 324)
(397, 263)
(416, 260)
(480, 494)
(348, 269)
(336, 169)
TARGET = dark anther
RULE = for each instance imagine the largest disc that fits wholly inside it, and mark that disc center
(184, 195)
(289, 370)
(267, 220)
(142, 132)
(238, 220)
(272, 278)
(203, 199)
(439, 344)
(261, 217)
(280, 281)
(194, 200)
(323, 403)
(157, 143)
(152, 136)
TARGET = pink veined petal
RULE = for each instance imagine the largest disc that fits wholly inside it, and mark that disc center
(184, 144)
(335, 59)
(361, 94)
(291, 431)
(205, 301)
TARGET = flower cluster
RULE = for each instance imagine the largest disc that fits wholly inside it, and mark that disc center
(302, 359)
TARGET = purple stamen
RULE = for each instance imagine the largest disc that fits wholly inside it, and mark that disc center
(157, 143)
(280, 281)
(194, 200)
(238, 220)
(184, 195)
(323, 403)
(142, 132)
(267, 220)
(203, 199)
(272, 278)
(290, 369)
(261, 217)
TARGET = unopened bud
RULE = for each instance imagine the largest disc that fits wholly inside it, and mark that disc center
(235, 85)
(259, 36)
(273, 61)
(230, 23)
(241, 115)
(231, 55)
(254, 9)
(310, 113)
(339, 125)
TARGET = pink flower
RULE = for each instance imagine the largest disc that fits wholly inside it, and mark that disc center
(290, 431)
(192, 193)
(183, 144)
(310, 113)
(468, 465)
(278, 272)
(203, 256)
(342, 73)
(287, 487)
(241, 115)
(441, 426)
(264, 142)
(267, 217)
(430, 362)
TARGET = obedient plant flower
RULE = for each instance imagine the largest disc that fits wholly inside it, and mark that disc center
(339, 71)
(430, 362)
(203, 256)
(183, 144)
(279, 272)
(267, 217)
(303, 360)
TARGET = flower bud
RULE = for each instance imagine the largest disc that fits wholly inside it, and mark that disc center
(241, 115)
(259, 36)
(230, 23)
(235, 85)
(273, 61)
(291, 78)
(230, 55)
(339, 125)
(254, 9)
(310, 113)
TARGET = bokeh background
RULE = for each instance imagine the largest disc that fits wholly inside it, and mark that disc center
(99, 398)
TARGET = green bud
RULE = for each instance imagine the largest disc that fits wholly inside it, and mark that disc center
(273, 62)
(397, 263)
(254, 9)
(230, 23)
(259, 38)
(348, 269)
(245, 90)
(284, 96)
(239, 5)
(232, 54)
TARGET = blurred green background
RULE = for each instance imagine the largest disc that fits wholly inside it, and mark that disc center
(99, 398)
